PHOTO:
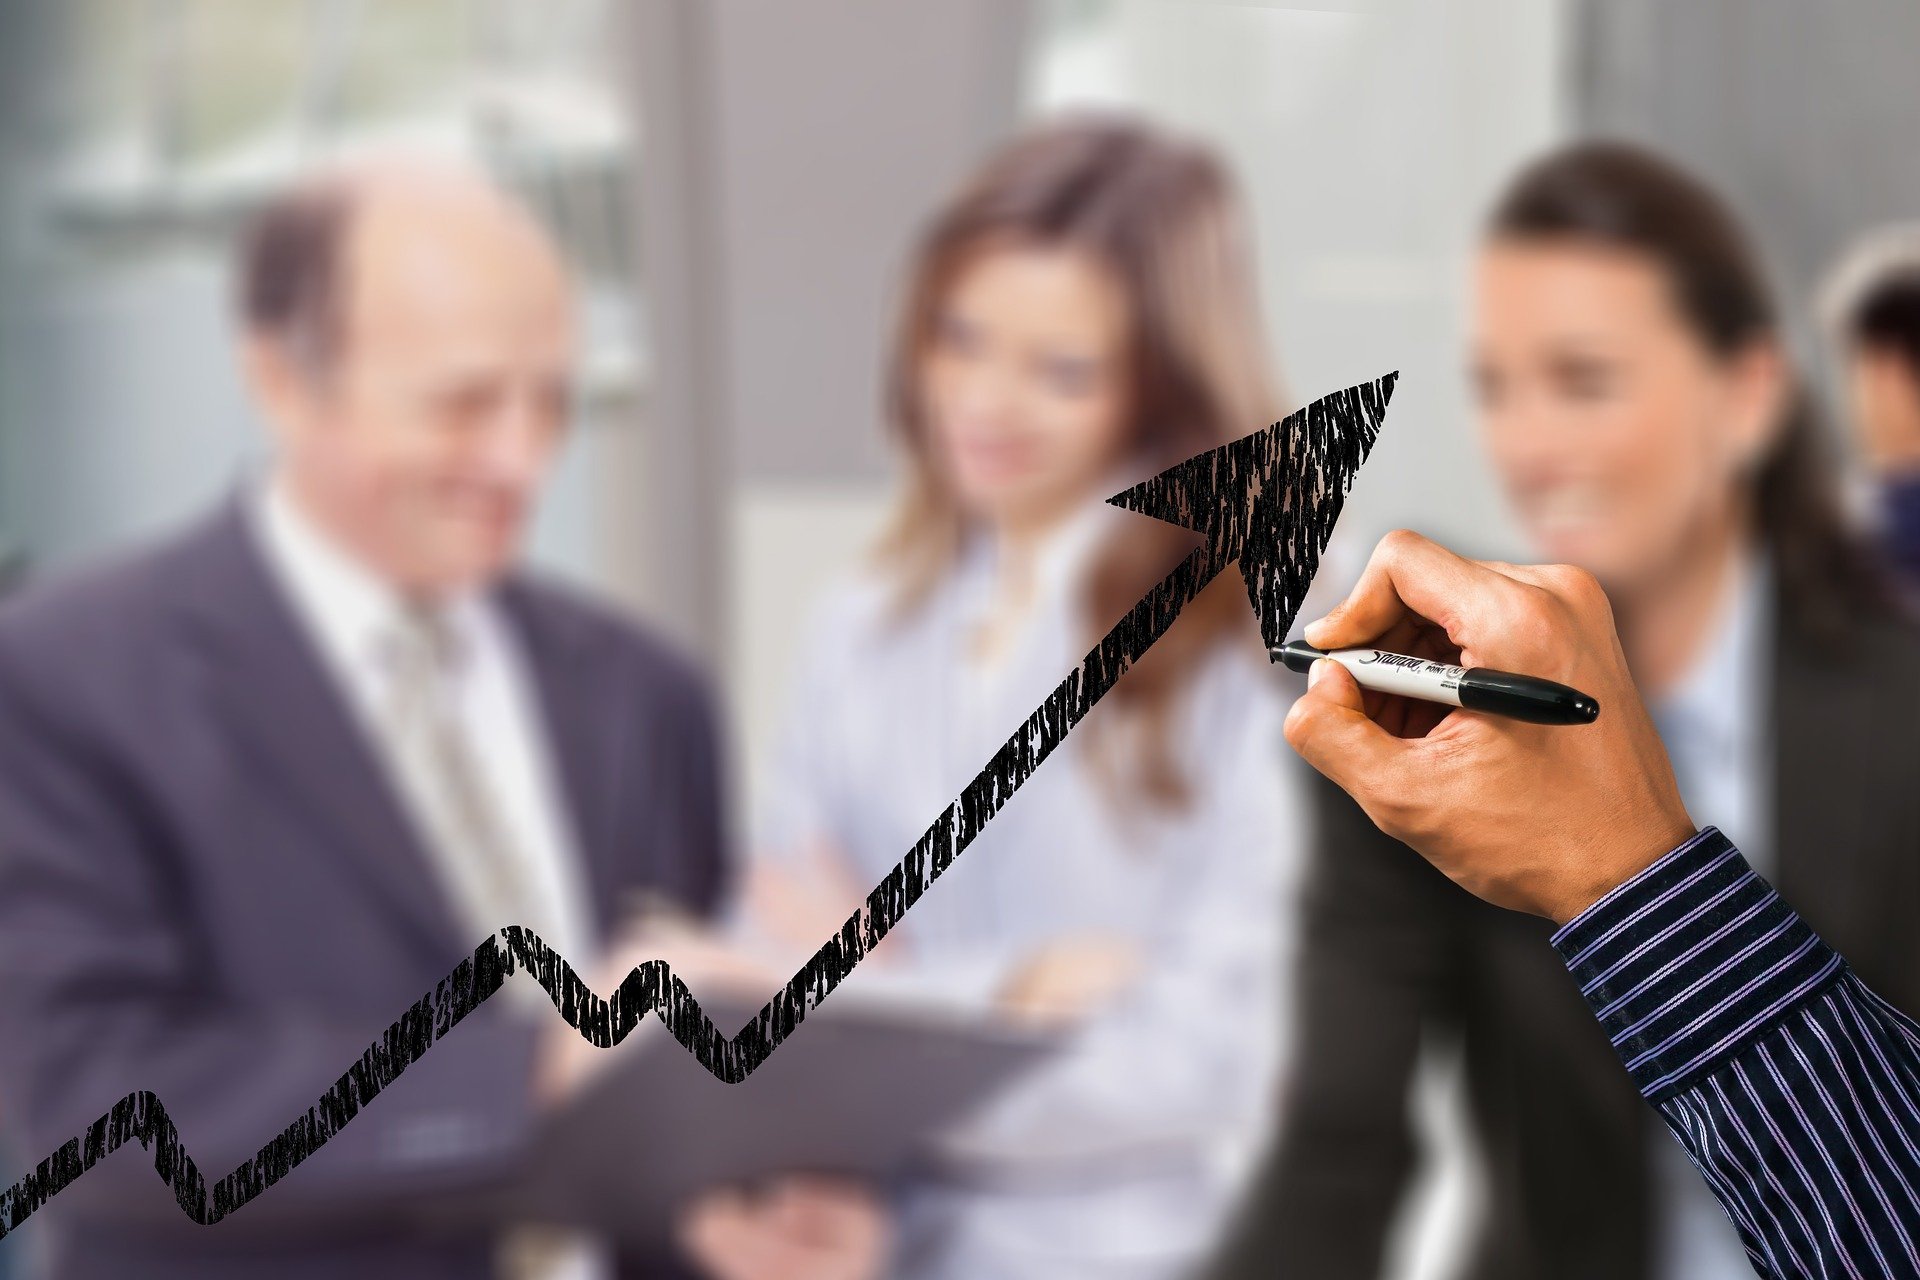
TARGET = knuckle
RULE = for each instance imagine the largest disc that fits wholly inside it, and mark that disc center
(1529, 622)
(1592, 599)
(1580, 612)
(1398, 542)
(1578, 587)
(1295, 729)
(1300, 723)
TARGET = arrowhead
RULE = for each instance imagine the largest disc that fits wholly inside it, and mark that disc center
(1269, 500)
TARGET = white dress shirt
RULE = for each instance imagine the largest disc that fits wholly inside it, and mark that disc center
(1118, 1159)
(1714, 725)
(350, 614)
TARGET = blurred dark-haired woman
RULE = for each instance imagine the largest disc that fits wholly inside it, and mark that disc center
(1638, 407)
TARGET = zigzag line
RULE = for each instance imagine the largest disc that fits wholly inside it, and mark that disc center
(649, 988)
(1327, 440)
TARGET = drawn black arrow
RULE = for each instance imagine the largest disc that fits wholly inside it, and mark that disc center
(1268, 501)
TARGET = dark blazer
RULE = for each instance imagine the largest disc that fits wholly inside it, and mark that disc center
(1395, 952)
(207, 889)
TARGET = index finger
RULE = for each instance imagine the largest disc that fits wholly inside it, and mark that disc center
(1409, 577)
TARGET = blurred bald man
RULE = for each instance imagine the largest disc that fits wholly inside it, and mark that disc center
(266, 783)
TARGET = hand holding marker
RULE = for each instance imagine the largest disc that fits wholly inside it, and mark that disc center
(1476, 688)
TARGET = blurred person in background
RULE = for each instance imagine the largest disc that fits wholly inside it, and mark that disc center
(265, 783)
(1079, 316)
(1872, 309)
(1638, 407)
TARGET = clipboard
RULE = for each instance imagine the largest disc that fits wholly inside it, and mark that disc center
(864, 1090)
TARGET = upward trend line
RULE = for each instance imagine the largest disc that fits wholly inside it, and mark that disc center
(1268, 500)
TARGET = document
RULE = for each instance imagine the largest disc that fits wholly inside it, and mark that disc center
(863, 1088)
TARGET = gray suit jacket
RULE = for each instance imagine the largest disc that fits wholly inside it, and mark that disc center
(208, 890)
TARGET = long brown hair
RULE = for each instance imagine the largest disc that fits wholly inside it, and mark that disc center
(1162, 215)
(1620, 195)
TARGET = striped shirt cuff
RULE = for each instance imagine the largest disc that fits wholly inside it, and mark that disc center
(1690, 961)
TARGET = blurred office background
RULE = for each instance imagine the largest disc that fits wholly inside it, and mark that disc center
(737, 183)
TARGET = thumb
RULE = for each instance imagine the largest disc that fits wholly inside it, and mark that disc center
(1329, 727)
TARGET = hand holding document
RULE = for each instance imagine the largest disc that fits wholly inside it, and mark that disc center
(1069, 979)
(793, 904)
(1062, 981)
(643, 1143)
(1541, 819)
(798, 1229)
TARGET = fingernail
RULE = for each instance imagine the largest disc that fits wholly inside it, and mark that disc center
(1319, 668)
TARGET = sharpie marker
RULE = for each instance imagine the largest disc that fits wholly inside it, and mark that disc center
(1498, 693)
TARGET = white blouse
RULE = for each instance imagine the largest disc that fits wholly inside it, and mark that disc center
(1121, 1157)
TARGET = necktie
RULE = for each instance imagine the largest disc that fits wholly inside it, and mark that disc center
(491, 882)
(439, 765)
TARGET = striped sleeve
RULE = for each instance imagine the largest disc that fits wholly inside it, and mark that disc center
(1795, 1089)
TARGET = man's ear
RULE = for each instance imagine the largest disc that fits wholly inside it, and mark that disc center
(280, 386)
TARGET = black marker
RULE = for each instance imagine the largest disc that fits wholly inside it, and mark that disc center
(1498, 693)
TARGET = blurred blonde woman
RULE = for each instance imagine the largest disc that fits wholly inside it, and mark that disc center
(1079, 316)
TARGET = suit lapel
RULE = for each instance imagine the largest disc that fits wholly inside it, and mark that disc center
(572, 693)
(281, 704)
